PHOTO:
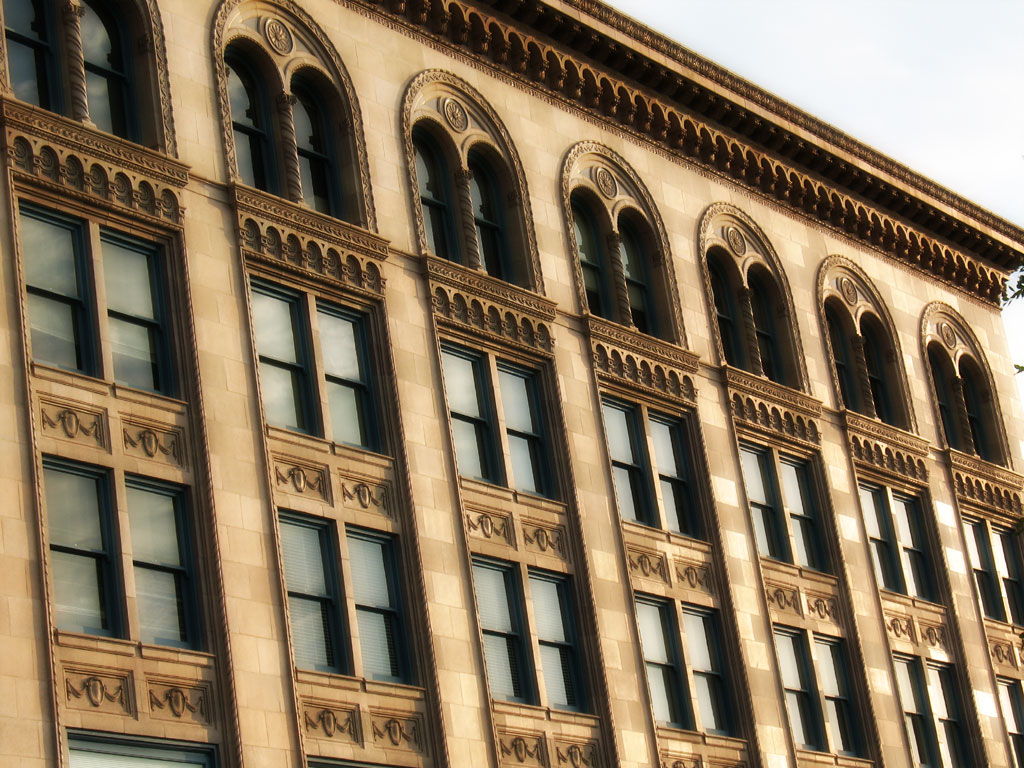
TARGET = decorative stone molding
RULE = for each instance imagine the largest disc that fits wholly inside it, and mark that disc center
(982, 483)
(155, 441)
(449, 102)
(180, 701)
(359, 494)
(489, 526)
(286, 27)
(674, 761)
(616, 187)
(291, 236)
(1003, 654)
(473, 301)
(99, 691)
(763, 406)
(397, 731)
(821, 607)
(894, 462)
(695, 576)
(67, 420)
(330, 721)
(47, 150)
(583, 754)
(901, 628)
(648, 564)
(642, 362)
(522, 749)
(301, 478)
(783, 598)
(545, 539)
(866, 198)
(933, 635)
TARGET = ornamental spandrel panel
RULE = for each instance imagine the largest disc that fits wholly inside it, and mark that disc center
(480, 305)
(809, 598)
(916, 626)
(182, 701)
(490, 527)
(49, 151)
(1005, 646)
(74, 421)
(337, 723)
(767, 409)
(396, 730)
(99, 690)
(153, 441)
(297, 477)
(536, 736)
(884, 449)
(984, 485)
(687, 749)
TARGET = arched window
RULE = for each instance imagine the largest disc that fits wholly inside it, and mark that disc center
(976, 407)
(593, 261)
(107, 71)
(843, 358)
(725, 313)
(250, 120)
(637, 273)
(436, 198)
(32, 52)
(762, 306)
(876, 350)
(943, 378)
(492, 235)
(316, 151)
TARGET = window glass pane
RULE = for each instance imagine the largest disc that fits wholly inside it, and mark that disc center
(827, 677)
(54, 332)
(303, 555)
(556, 663)
(547, 610)
(627, 494)
(492, 598)
(789, 661)
(134, 351)
(72, 510)
(370, 580)
(21, 17)
(502, 667)
(515, 399)
(619, 444)
(377, 644)
(154, 527)
(99, 95)
(338, 343)
(275, 327)
(632, 256)
(469, 448)
(78, 591)
(126, 273)
(87, 755)
(653, 632)
(660, 679)
(664, 448)
(282, 396)
(49, 255)
(25, 73)
(307, 122)
(698, 651)
(97, 47)
(906, 523)
(709, 703)
(525, 464)
(161, 607)
(311, 633)
(753, 479)
(794, 487)
(460, 380)
(347, 416)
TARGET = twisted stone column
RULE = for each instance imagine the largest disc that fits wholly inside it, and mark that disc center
(73, 13)
(292, 186)
(750, 332)
(959, 405)
(463, 177)
(613, 247)
(860, 361)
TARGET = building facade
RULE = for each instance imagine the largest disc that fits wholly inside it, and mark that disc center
(434, 383)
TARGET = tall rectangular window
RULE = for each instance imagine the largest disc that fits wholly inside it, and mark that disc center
(506, 445)
(375, 590)
(704, 654)
(347, 373)
(82, 548)
(994, 554)
(657, 636)
(1012, 703)
(899, 547)
(552, 614)
(931, 712)
(651, 469)
(164, 587)
(60, 255)
(313, 602)
(501, 622)
(799, 685)
(832, 669)
(783, 508)
(283, 361)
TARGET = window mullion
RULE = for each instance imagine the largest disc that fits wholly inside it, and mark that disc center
(315, 369)
(784, 510)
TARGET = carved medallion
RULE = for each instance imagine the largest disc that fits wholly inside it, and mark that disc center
(736, 241)
(605, 182)
(455, 114)
(278, 36)
(848, 289)
(948, 335)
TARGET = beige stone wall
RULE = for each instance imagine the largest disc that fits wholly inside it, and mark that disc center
(260, 711)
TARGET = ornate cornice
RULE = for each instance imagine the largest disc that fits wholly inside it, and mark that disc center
(886, 449)
(287, 234)
(53, 151)
(485, 306)
(980, 482)
(879, 431)
(615, 82)
(780, 412)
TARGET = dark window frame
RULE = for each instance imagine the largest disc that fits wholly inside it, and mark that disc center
(203, 755)
(46, 54)
(891, 563)
(327, 157)
(261, 145)
(427, 149)
(124, 78)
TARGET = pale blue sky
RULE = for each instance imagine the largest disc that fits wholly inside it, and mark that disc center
(937, 85)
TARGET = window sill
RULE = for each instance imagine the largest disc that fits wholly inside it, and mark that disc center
(536, 712)
(106, 388)
(358, 684)
(807, 757)
(697, 737)
(122, 647)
